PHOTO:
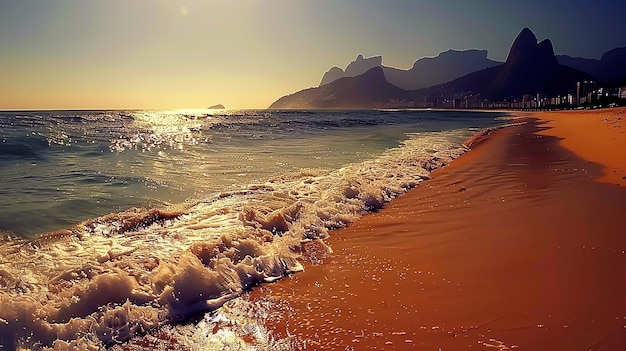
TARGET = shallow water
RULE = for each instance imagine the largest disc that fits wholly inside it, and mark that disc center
(240, 198)
(61, 167)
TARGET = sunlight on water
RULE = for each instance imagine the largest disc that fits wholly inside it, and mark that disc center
(272, 192)
(173, 263)
(83, 164)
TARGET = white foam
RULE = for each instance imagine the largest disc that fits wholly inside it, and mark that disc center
(107, 279)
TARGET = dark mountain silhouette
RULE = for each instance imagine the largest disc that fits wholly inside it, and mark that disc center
(367, 90)
(217, 107)
(530, 68)
(332, 75)
(448, 65)
(362, 65)
(355, 68)
(609, 68)
(619, 83)
(425, 72)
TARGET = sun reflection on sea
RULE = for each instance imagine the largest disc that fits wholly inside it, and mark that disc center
(173, 129)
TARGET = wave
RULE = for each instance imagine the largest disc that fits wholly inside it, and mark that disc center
(24, 147)
(104, 280)
(35, 135)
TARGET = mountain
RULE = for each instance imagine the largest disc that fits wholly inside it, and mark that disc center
(609, 68)
(619, 83)
(217, 107)
(354, 68)
(531, 68)
(448, 65)
(368, 90)
(425, 72)
(332, 75)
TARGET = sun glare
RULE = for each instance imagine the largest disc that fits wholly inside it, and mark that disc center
(184, 11)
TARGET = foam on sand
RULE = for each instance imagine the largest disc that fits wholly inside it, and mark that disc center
(514, 245)
(104, 280)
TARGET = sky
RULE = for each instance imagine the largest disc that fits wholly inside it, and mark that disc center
(165, 54)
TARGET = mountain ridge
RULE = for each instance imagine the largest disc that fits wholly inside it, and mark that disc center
(531, 68)
(610, 67)
(370, 89)
(424, 72)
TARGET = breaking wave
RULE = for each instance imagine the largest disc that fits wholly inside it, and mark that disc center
(101, 282)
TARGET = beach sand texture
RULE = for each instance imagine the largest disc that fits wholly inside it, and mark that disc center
(518, 244)
(595, 136)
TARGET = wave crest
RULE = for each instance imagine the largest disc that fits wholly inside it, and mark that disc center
(110, 278)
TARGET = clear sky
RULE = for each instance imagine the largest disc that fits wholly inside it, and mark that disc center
(92, 54)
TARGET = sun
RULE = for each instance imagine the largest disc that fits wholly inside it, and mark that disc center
(184, 10)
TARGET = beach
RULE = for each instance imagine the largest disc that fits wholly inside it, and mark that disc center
(518, 244)
(96, 245)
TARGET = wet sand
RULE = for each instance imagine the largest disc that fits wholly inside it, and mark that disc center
(595, 136)
(519, 244)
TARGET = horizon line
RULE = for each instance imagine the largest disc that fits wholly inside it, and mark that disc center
(125, 109)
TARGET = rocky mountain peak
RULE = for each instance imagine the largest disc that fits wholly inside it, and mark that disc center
(527, 51)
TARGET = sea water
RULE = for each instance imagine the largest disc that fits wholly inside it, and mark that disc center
(117, 222)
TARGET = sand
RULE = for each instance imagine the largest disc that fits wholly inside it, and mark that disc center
(595, 136)
(519, 244)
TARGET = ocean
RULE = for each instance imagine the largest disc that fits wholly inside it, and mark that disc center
(115, 223)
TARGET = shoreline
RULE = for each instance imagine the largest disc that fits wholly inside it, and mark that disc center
(515, 244)
(474, 255)
(126, 273)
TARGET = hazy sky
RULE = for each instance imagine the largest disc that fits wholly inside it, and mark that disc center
(72, 54)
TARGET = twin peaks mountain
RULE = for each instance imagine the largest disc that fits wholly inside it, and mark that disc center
(531, 68)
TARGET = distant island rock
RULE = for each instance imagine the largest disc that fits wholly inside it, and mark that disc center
(217, 107)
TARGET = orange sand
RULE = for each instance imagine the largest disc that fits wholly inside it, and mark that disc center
(513, 246)
(596, 136)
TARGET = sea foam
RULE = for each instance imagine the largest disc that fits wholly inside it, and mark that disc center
(105, 280)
